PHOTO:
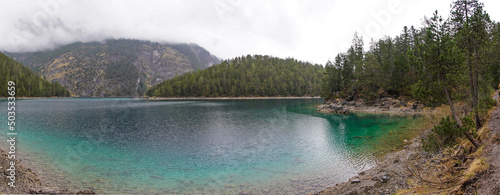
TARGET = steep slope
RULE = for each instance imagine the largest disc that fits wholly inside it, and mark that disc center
(247, 76)
(116, 67)
(26, 82)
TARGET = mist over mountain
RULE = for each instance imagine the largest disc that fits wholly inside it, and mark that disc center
(122, 67)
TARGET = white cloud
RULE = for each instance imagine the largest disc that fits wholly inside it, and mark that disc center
(307, 30)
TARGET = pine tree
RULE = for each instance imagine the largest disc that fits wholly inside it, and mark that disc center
(470, 23)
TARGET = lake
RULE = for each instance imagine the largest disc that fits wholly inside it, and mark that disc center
(120, 145)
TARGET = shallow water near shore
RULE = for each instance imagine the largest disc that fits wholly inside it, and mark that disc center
(119, 145)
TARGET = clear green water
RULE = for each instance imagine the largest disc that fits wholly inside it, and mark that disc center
(194, 147)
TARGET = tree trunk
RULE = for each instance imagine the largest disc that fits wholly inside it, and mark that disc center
(473, 74)
(476, 93)
(455, 115)
(471, 77)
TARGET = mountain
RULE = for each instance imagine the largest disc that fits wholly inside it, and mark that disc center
(26, 82)
(120, 67)
(249, 76)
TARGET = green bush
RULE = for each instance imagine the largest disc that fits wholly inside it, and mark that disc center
(446, 133)
(487, 103)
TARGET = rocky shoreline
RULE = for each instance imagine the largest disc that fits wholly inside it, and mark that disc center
(26, 180)
(460, 169)
(379, 106)
(391, 174)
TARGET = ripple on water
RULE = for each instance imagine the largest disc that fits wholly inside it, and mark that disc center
(217, 147)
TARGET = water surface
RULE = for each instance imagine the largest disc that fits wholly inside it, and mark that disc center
(210, 146)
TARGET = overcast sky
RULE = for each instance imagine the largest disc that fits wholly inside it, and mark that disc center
(309, 30)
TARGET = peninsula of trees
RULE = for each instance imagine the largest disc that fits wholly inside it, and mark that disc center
(246, 76)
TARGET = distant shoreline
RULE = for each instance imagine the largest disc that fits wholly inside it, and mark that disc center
(182, 98)
(27, 98)
(228, 98)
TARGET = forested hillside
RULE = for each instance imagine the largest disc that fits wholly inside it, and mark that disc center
(461, 53)
(121, 67)
(247, 76)
(27, 83)
(444, 61)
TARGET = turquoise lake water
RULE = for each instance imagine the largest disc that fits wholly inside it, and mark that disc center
(194, 147)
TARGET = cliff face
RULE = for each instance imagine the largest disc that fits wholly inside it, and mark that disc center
(116, 67)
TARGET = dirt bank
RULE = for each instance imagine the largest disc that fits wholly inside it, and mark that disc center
(489, 182)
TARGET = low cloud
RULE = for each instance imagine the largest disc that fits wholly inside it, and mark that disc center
(307, 30)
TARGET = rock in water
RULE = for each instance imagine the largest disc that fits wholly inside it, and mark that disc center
(245, 192)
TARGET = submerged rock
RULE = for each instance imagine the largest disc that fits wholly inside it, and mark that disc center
(86, 192)
(245, 192)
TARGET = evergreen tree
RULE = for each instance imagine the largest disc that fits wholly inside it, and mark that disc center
(471, 23)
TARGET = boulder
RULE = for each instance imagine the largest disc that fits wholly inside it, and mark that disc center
(359, 104)
(344, 111)
(385, 178)
(384, 108)
(356, 181)
(396, 104)
(331, 106)
(416, 106)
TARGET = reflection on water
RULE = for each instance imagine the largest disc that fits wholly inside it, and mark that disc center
(213, 146)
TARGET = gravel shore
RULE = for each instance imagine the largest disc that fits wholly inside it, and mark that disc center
(26, 180)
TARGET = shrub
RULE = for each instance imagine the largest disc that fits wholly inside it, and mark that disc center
(446, 133)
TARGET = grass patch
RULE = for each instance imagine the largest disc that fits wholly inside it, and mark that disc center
(396, 140)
